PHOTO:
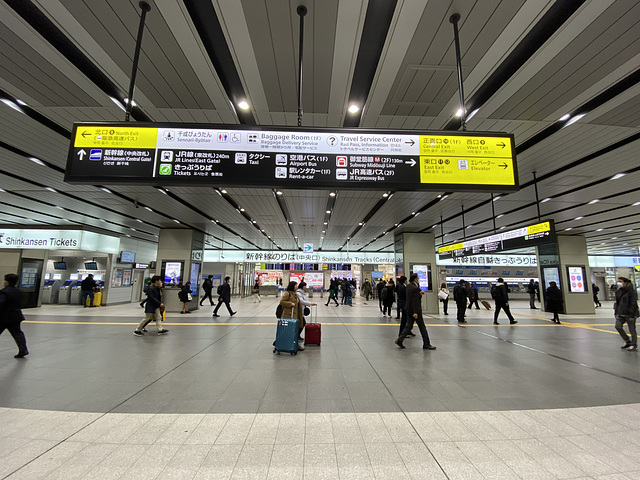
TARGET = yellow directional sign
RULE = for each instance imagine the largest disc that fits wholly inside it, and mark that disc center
(540, 227)
(115, 137)
(459, 159)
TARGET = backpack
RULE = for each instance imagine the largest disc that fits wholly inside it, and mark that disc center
(384, 293)
(219, 291)
(494, 292)
(207, 285)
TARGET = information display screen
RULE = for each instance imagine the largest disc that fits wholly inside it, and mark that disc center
(529, 236)
(424, 275)
(551, 274)
(172, 273)
(314, 280)
(184, 154)
(577, 283)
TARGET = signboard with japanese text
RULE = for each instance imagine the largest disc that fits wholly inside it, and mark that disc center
(498, 259)
(528, 236)
(187, 154)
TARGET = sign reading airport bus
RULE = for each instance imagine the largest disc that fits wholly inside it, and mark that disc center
(529, 236)
(186, 154)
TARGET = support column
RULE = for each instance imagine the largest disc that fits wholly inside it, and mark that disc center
(420, 249)
(186, 247)
(554, 260)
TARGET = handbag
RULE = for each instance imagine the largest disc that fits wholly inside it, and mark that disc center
(442, 295)
(306, 312)
(279, 311)
(161, 309)
(189, 297)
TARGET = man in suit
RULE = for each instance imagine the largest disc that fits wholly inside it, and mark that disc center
(11, 314)
(414, 313)
(225, 297)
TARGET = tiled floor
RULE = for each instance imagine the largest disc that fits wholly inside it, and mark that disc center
(211, 400)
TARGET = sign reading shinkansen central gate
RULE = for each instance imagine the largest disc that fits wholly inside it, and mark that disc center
(186, 154)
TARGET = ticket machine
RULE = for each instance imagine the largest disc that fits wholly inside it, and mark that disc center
(51, 291)
(65, 291)
(76, 293)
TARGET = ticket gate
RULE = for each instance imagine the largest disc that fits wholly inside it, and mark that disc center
(76, 293)
(51, 291)
(65, 291)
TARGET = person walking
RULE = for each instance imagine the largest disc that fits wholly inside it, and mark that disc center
(381, 284)
(625, 310)
(460, 297)
(500, 293)
(207, 286)
(345, 287)
(531, 290)
(444, 297)
(333, 286)
(389, 295)
(401, 290)
(472, 292)
(224, 292)
(366, 289)
(11, 314)
(595, 289)
(153, 308)
(554, 301)
(414, 314)
(256, 292)
(184, 296)
(87, 287)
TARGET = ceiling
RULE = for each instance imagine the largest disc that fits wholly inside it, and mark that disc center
(526, 64)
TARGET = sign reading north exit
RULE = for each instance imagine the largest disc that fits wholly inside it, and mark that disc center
(187, 154)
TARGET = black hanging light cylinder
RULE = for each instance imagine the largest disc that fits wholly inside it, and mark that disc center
(145, 7)
(302, 11)
(456, 37)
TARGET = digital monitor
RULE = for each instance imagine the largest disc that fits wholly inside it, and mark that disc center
(60, 265)
(73, 276)
(57, 276)
(576, 276)
(424, 275)
(97, 277)
(67, 283)
(172, 272)
(90, 266)
(127, 257)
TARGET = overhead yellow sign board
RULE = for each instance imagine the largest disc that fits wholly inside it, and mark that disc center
(467, 160)
(115, 137)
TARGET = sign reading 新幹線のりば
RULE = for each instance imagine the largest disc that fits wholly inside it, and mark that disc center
(188, 154)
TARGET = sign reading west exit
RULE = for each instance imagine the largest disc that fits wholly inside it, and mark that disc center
(188, 154)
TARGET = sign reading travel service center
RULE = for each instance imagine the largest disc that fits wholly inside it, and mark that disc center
(187, 154)
(529, 236)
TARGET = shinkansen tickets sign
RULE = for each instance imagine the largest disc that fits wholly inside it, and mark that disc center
(181, 154)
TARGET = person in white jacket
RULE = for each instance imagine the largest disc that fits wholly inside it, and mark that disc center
(304, 300)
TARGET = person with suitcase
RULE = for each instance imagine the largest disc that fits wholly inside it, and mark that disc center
(292, 309)
(301, 292)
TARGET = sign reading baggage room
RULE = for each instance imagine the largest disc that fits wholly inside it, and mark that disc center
(295, 158)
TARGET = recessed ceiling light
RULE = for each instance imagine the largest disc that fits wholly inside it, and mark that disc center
(497, 198)
(444, 196)
(50, 189)
(574, 119)
(500, 216)
(161, 190)
(253, 221)
(630, 230)
(332, 194)
(545, 200)
(223, 191)
(328, 211)
(9, 103)
(353, 109)
(278, 192)
(385, 195)
(501, 227)
(360, 224)
(635, 204)
(567, 229)
(459, 112)
(594, 201)
(566, 116)
(147, 208)
(37, 160)
(578, 218)
(325, 223)
(177, 221)
(243, 105)
(133, 102)
(290, 223)
(614, 238)
(59, 207)
(617, 176)
(2, 190)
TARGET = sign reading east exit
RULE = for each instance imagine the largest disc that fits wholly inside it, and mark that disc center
(187, 154)
(528, 236)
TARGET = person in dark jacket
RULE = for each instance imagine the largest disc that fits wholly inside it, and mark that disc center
(531, 290)
(225, 297)
(401, 290)
(389, 294)
(595, 289)
(153, 308)
(366, 289)
(346, 290)
(87, 288)
(414, 314)
(381, 284)
(472, 293)
(554, 301)
(207, 286)
(183, 296)
(626, 311)
(460, 297)
(11, 315)
(333, 292)
(500, 293)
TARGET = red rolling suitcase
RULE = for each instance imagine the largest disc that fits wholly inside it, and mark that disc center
(312, 330)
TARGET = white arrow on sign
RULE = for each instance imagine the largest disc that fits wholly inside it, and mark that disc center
(411, 162)
(81, 154)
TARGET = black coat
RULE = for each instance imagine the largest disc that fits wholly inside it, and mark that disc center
(460, 294)
(390, 297)
(501, 294)
(414, 299)
(626, 301)
(154, 299)
(225, 292)
(10, 311)
(554, 300)
(402, 295)
(183, 294)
